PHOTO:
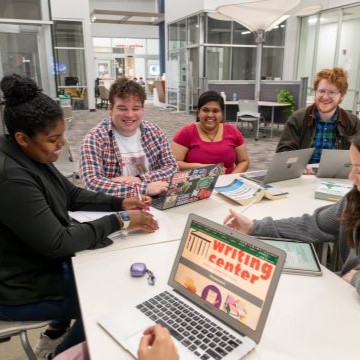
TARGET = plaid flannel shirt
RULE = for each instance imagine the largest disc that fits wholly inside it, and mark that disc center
(325, 136)
(100, 160)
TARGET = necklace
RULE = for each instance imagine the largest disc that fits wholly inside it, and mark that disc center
(211, 138)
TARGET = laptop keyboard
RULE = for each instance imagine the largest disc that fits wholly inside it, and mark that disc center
(198, 333)
(157, 201)
(259, 178)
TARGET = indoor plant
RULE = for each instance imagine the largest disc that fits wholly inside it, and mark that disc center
(285, 96)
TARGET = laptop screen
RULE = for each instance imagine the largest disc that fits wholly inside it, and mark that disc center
(229, 274)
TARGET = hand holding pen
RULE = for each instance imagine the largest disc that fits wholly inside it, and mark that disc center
(145, 200)
(137, 203)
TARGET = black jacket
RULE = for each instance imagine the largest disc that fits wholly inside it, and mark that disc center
(36, 235)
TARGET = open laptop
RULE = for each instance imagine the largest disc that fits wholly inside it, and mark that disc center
(188, 186)
(334, 164)
(218, 297)
(284, 166)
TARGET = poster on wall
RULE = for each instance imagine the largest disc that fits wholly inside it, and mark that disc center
(154, 70)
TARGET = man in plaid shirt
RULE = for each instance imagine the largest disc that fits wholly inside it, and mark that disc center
(124, 155)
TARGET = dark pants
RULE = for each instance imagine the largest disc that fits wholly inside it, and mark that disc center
(61, 310)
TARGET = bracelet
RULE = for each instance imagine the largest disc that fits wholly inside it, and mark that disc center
(120, 220)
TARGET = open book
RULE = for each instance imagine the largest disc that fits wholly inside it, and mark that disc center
(245, 193)
(332, 191)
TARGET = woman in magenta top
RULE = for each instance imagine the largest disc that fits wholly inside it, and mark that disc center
(209, 140)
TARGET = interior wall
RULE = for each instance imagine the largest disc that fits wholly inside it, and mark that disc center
(69, 9)
(175, 10)
(123, 31)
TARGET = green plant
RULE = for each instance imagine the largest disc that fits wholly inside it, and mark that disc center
(285, 96)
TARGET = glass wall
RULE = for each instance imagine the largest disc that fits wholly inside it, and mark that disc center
(333, 36)
(20, 9)
(226, 51)
(25, 46)
(69, 61)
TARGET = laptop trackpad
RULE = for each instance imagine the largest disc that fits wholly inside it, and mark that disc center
(132, 345)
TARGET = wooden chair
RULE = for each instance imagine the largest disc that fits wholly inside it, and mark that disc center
(8, 329)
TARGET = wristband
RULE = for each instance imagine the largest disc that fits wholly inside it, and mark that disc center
(125, 219)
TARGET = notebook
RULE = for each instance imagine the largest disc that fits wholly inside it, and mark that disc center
(334, 164)
(284, 166)
(188, 186)
(218, 296)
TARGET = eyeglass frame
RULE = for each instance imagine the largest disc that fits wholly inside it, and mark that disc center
(330, 93)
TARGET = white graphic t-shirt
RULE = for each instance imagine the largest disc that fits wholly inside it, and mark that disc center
(134, 161)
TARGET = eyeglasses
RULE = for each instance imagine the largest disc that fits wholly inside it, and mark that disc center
(330, 93)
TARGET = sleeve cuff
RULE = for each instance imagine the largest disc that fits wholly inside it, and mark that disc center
(116, 203)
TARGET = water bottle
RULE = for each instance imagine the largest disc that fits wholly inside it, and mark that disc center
(234, 97)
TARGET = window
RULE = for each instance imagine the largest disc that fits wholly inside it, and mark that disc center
(20, 9)
(193, 30)
(218, 32)
(69, 62)
(68, 34)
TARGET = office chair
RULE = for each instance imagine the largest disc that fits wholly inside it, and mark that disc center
(104, 96)
(65, 164)
(72, 91)
(79, 100)
(249, 112)
(14, 328)
(71, 80)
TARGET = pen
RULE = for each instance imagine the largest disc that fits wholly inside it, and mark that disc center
(137, 188)
(253, 201)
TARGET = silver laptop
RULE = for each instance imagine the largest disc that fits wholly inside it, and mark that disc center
(334, 164)
(284, 166)
(218, 296)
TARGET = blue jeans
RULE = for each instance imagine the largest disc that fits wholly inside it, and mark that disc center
(61, 310)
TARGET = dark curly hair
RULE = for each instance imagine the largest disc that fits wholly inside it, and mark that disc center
(351, 215)
(27, 109)
(124, 87)
(206, 97)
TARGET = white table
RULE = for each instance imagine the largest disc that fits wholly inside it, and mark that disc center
(270, 104)
(311, 317)
(301, 199)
